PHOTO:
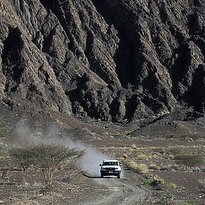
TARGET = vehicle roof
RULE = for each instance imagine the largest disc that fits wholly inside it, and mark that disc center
(110, 160)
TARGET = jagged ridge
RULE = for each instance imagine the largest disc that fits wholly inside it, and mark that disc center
(114, 60)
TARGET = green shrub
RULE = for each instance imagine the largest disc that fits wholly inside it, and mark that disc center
(148, 181)
(154, 180)
(23, 157)
(47, 158)
(172, 185)
(24, 196)
(187, 203)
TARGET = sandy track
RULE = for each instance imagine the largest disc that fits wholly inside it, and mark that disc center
(124, 191)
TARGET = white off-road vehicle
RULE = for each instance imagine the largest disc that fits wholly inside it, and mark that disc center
(110, 167)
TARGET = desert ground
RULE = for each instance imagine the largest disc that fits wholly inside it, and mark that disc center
(162, 160)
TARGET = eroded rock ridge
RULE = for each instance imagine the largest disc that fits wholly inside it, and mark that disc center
(107, 59)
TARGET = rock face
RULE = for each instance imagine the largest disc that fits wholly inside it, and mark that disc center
(110, 59)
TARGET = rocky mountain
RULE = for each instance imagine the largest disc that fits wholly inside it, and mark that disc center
(107, 59)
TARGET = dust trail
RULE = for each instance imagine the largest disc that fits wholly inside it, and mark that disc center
(88, 163)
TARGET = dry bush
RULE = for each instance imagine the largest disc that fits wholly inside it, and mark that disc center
(143, 157)
(171, 156)
(134, 146)
(142, 168)
(139, 168)
(160, 150)
(131, 164)
(155, 156)
(125, 156)
(160, 180)
(167, 166)
(154, 167)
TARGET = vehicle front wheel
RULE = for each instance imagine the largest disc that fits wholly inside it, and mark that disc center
(118, 176)
(102, 175)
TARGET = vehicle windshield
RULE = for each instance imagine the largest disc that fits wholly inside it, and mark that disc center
(110, 163)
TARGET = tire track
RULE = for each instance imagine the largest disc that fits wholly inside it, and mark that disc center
(122, 192)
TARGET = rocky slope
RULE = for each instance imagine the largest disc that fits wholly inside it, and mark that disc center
(110, 59)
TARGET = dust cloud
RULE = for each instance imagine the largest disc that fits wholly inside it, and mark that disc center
(91, 160)
(88, 163)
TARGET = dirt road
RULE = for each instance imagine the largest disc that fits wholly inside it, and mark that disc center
(125, 191)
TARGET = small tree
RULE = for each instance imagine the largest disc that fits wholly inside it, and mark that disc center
(47, 158)
(22, 156)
